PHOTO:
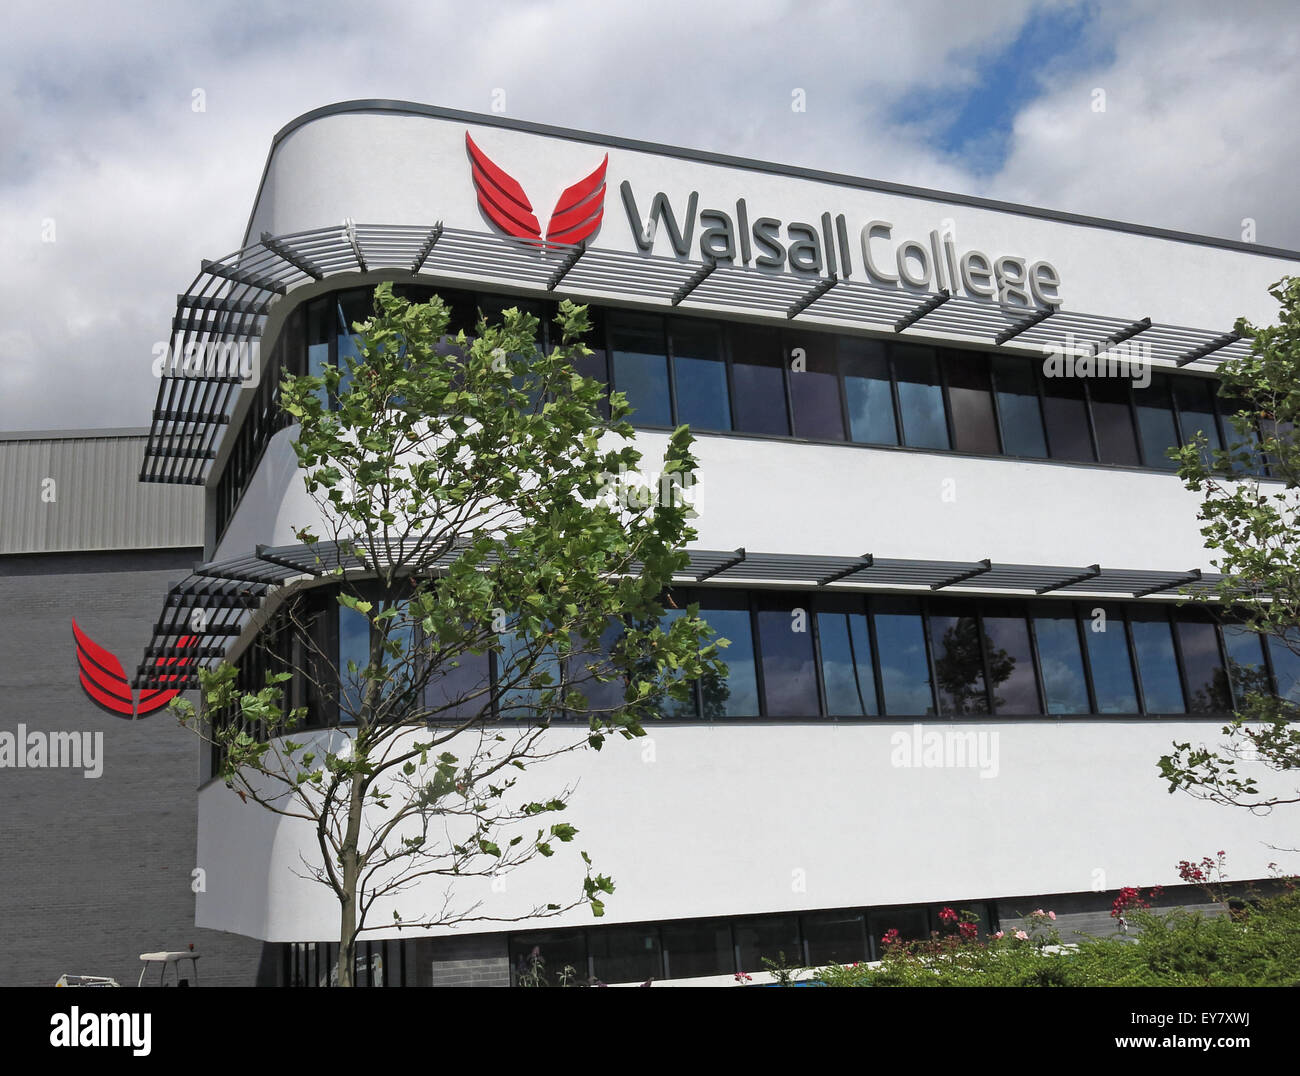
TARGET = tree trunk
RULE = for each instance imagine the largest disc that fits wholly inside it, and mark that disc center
(351, 875)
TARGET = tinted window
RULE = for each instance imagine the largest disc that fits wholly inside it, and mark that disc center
(1155, 411)
(1067, 419)
(462, 311)
(1108, 656)
(1241, 434)
(626, 954)
(1246, 667)
(1061, 662)
(1153, 644)
(1207, 680)
(459, 688)
(789, 674)
(354, 656)
(319, 330)
(835, 937)
(1195, 399)
(814, 386)
(526, 671)
(701, 372)
(640, 366)
(1011, 665)
(846, 662)
(736, 695)
(912, 924)
(1281, 432)
(758, 379)
(596, 365)
(1112, 413)
(770, 937)
(958, 664)
(1019, 408)
(868, 392)
(970, 399)
(904, 669)
(352, 307)
(920, 397)
(556, 954)
(693, 949)
(670, 707)
(587, 664)
(1286, 668)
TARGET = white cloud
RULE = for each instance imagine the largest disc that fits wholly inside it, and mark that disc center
(96, 106)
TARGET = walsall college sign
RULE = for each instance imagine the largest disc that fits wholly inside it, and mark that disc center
(826, 247)
(769, 242)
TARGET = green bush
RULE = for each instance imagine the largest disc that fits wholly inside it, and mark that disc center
(1256, 946)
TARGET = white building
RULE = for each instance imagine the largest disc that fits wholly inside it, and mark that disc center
(883, 444)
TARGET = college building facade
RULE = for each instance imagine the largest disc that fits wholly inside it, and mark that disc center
(931, 428)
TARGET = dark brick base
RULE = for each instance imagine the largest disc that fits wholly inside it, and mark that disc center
(96, 872)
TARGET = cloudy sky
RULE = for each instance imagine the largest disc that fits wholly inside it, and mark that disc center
(104, 154)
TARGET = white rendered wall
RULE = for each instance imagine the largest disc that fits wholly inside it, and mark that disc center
(730, 819)
(781, 497)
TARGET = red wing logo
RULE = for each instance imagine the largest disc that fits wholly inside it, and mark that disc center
(105, 682)
(575, 218)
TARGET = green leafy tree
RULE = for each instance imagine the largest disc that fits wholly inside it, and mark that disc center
(463, 489)
(1253, 529)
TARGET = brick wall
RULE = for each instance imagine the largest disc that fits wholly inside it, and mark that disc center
(471, 961)
(95, 872)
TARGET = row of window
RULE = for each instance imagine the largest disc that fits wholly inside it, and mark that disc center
(682, 949)
(824, 387)
(723, 377)
(846, 656)
(692, 948)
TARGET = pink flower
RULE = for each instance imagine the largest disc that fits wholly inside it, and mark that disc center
(1038, 912)
(1051, 916)
(999, 934)
(1021, 936)
(947, 915)
(741, 977)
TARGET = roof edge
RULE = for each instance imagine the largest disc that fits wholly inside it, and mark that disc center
(706, 157)
(74, 435)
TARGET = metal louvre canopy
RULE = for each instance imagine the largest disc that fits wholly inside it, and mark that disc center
(895, 574)
(225, 310)
(220, 597)
(216, 602)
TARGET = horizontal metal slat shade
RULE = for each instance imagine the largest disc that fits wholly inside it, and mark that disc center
(228, 592)
(229, 300)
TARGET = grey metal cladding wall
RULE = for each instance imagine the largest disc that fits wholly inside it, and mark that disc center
(95, 501)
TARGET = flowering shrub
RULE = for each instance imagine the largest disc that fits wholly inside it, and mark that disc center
(1257, 945)
(1130, 898)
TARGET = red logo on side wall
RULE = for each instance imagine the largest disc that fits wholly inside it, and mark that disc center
(576, 215)
(104, 680)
